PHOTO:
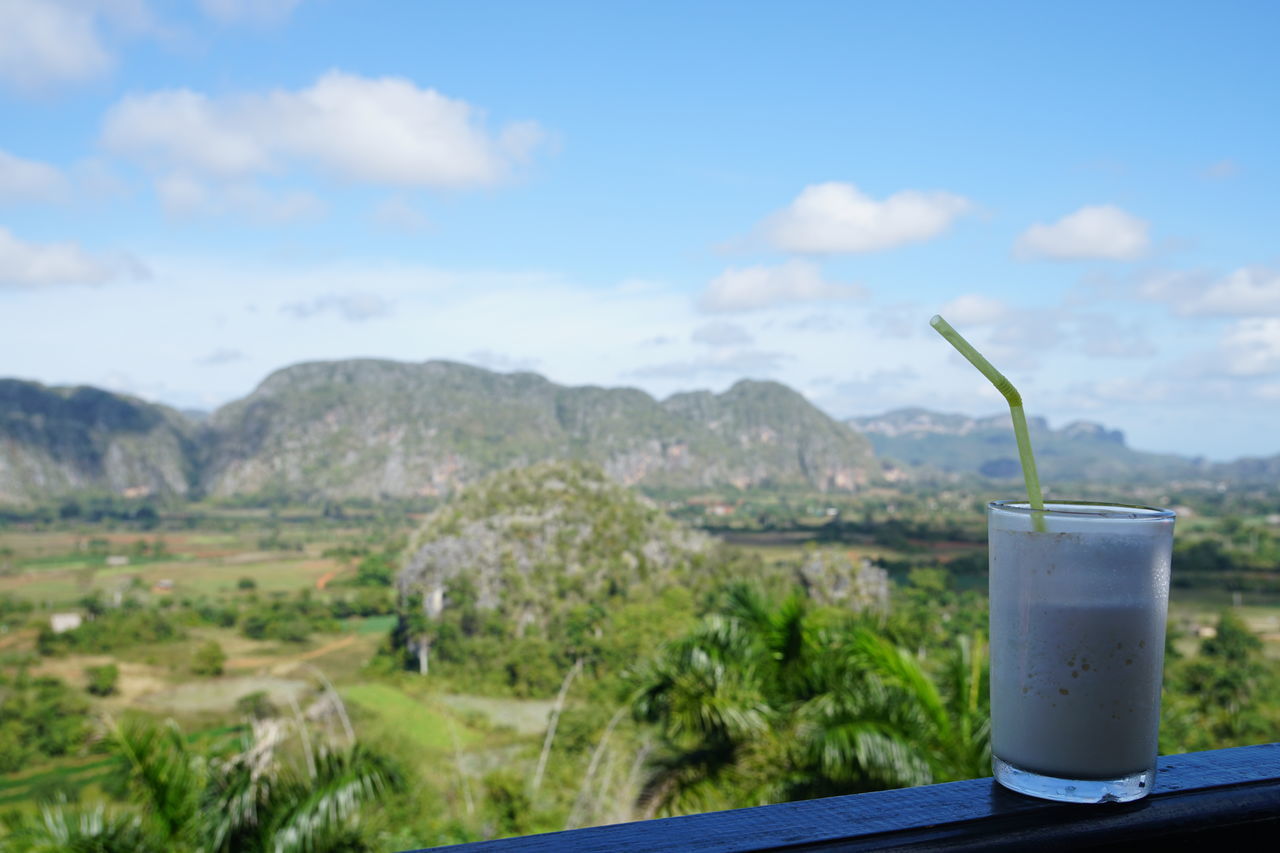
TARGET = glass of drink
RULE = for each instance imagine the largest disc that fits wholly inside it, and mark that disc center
(1079, 597)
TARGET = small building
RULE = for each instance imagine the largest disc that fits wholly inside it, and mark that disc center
(61, 623)
(163, 585)
(116, 560)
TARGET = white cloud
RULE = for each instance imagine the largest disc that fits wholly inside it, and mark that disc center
(838, 217)
(383, 130)
(355, 307)
(50, 44)
(1246, 292)
(751, 288)
(184, 195)
(45, 44)
(1267, 391)
(974, 309)
(721, 335)
(249, 11)
(1251, 347)
(1099, 231)
(24, 264)
(29, 180)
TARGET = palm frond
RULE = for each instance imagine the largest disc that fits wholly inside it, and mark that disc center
(309, 811)
(167, 779)
(68, 829)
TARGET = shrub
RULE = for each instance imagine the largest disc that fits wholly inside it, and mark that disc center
(209, 659)
(102, 679)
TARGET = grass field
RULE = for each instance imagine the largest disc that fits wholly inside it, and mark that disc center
(56, 568)
(426, 723)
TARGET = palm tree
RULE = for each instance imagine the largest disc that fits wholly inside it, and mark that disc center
(772, 701)
(59, 829)
(252, 799)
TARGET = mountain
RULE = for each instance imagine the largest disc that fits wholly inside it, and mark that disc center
(56, 441)
(1264, 471)
(1079, 451)
(554, 525)
(368, 428)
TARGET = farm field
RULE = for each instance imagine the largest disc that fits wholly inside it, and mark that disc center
(55, 571)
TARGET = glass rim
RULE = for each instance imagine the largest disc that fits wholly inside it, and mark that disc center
(1086, 509)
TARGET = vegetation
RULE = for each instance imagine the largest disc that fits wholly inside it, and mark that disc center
(253, 797)
(766, 702)
(209, 659)
(40, 718)
(555, 649)
(102, 679)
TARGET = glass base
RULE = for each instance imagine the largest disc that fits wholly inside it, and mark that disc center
(1126, 789)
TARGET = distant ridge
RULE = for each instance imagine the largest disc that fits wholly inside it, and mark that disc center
(367, 428)
(370, 428)
(56, 441)
(1079, 451)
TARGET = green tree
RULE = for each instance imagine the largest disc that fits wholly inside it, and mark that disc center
(257, 798)
(40, 717)
(209, 659)
(769, 701)
(62, 829)
(376, 570)
(102, 679)
(1225, 696)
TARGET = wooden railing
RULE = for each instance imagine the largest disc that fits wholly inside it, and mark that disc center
(1202, 800)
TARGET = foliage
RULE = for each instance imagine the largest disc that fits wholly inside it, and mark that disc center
(376, 570)
(292, 619)
(209, 659)
(766, 701)
(257, 705)
(62, 829)
(250, 799)
(102, 679)
(40, 717)
(1228, 695)
(131, 624)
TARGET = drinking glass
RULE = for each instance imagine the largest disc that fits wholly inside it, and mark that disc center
(1079, 598)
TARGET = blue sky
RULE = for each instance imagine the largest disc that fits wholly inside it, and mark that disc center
(664, 195)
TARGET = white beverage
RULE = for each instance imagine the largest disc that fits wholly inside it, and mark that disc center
(1078, 614)
(1078, 696)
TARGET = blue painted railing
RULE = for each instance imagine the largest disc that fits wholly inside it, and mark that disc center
(1201, 800)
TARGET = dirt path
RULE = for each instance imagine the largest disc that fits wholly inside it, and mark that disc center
(323, 580)
(255, 662)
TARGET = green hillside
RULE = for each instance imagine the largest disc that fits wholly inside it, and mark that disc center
(59, 441)
(380, 428)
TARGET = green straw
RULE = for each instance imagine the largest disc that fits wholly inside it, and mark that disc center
(1005, 387)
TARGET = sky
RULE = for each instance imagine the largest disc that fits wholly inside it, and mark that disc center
(661, 195)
